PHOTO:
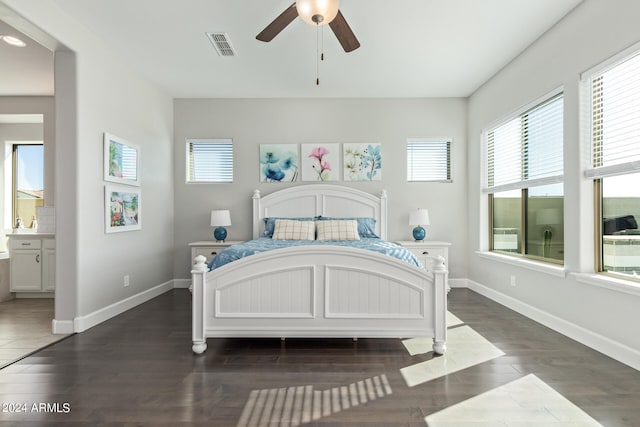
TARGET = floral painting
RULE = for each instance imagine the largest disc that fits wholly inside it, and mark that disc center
(362, 162)
(121, 159)
(320, 162)
(279, 163)
(122, 209)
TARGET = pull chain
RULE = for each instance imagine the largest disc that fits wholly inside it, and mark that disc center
(319, 50)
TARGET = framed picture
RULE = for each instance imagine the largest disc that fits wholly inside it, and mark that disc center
(279, 163)
(362, 162)
(121, 160)
(320, 162)
(122, 208)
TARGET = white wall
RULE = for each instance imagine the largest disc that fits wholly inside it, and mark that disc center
(594, 31)
(251, 122)
(96, 91)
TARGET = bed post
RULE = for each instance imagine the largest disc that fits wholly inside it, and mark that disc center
(256, 214)
(197, 310)
(440, 277)
(383, 214)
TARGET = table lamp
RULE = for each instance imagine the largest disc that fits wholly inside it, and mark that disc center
(220, 219)
(418, 218)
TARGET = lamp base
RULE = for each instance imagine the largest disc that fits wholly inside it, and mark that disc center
(419, 233)
(220, 234)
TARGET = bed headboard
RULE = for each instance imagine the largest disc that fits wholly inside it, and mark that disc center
(320, 200)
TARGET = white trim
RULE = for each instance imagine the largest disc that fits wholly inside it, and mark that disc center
(82, 323)
(62, 326)
(181, 283)
(516, 113)
(608, 282)
(458, 283)
(542, 267)
(529, 183)
(614, 349)
(610, 63)
(613, 170)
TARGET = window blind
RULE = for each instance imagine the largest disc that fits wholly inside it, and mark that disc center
(527, 150)
(429, 160)
(615, 119)
(209, 161)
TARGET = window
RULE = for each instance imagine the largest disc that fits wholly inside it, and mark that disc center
(28, 182)
(524, 174)
(613, 94)
(429, 160)
(209, 160)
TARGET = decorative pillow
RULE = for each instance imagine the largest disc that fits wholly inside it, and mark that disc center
(270, 224)
(337, 230)
(286, 229)
(366, 226)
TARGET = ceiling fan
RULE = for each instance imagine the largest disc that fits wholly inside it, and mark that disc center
(314, 12)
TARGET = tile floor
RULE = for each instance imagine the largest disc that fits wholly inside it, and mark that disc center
(25, 326)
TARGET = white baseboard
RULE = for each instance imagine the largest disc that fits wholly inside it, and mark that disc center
(82, 323)
(458, 283)
(62, 326)
(181, 283)
(613, 349)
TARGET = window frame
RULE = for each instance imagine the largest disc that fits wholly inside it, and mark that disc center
(228, 178)
(594, 169)
(425, 142)
(11, 180)
(523, 185)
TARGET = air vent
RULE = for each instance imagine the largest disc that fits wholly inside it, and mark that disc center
(222, 44)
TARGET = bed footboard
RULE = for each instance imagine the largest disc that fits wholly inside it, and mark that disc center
(323, 292)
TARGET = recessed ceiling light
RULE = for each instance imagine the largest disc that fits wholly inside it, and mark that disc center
(13, 41)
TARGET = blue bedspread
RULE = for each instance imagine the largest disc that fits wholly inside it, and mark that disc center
(262, 244)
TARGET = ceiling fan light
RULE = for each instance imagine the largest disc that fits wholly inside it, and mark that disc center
(13, 41)
(308, 9)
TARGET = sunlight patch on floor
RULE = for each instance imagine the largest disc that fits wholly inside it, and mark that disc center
(465, 348)
(294, 406)
(527, 401)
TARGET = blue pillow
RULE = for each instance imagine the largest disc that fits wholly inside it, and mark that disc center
(366, 226)
(270, 224)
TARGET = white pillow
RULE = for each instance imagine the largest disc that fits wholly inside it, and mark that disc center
(288, 229)
(337, 230)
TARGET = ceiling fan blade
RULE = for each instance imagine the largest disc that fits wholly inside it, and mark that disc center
(343, 33)
(278, 24)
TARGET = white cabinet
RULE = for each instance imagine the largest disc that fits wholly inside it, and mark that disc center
(209, 248)
(427, 250)
(32, 263)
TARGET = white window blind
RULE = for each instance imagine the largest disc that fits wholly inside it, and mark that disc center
(429, 160)
(527, 150)
(209, 160)
(615, 119)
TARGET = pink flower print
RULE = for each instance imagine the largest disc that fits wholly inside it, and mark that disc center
(322, 167)
(319, 152)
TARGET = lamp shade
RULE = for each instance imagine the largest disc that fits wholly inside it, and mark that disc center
(220, 218)
(317, 12)
(419, 216)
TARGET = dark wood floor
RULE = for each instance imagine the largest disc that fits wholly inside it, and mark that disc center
(138, 369)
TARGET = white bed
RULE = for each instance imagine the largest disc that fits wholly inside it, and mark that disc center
(319, 291)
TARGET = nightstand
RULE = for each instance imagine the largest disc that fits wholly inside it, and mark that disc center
(426, 250)
(209, 248)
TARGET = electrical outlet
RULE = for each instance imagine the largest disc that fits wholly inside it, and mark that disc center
(513, 280)
(126, 280)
